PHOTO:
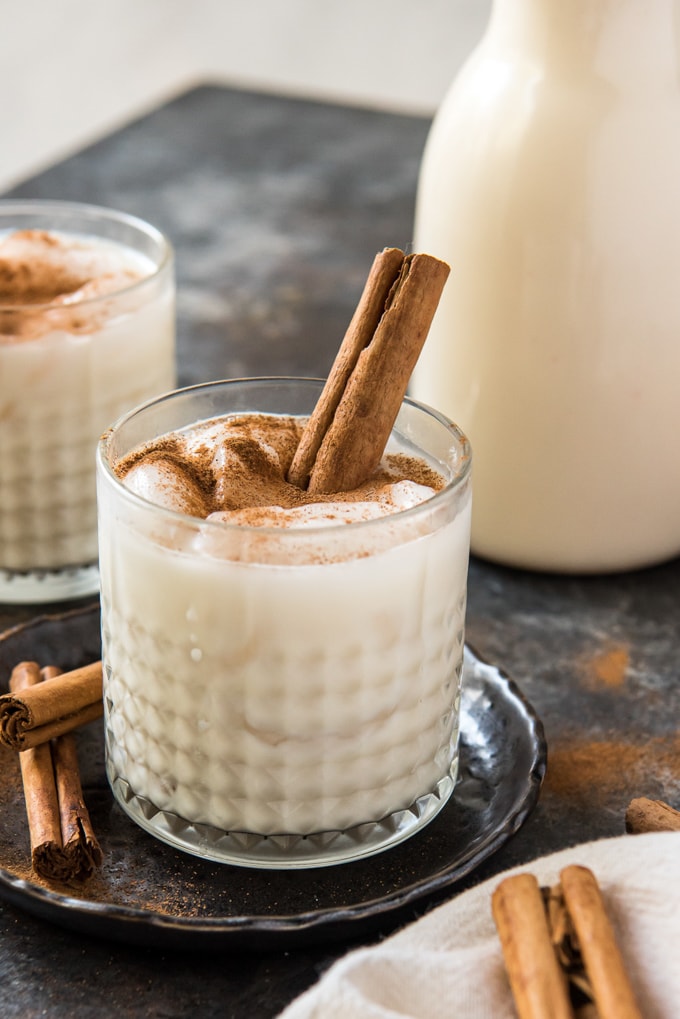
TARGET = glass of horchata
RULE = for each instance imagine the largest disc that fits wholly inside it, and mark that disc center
(282, 671)
(87, 331)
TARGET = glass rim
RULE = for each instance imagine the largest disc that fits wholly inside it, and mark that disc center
(26, 206)
(426, 506)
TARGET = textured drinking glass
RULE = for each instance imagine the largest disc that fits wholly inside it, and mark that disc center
(282, 697)
(87, 331)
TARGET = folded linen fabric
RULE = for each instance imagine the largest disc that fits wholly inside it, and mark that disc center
(449, 963)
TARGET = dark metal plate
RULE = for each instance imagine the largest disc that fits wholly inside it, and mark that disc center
(149, 893)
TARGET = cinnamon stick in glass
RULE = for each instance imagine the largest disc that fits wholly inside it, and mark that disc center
(64, 847)
(37, 713)
(347, 432)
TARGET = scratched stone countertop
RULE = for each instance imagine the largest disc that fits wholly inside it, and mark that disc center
(276, 207)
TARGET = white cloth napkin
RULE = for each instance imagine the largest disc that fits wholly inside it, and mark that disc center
(449, 963)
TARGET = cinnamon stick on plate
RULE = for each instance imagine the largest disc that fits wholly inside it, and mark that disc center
(37, 713)
(64, 847)
(347, 432)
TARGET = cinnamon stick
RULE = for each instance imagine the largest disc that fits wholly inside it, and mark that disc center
(644, 815)
(79, 843)
(538, 985)
(64, 847)
(611, 988)
(40, 792)
(37, 713)
(347, 432)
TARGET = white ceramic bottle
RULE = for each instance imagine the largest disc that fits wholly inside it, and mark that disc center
(551, 183)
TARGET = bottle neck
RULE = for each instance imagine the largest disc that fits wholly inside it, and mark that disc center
(626, 42)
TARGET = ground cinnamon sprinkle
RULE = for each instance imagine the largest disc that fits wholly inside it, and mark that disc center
(246, 467)
(608, 667)
(168, 453)
(35, 283)
(579, 771)
(48, 282)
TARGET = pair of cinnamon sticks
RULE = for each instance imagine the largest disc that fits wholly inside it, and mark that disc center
(35, 711)
(560, 950)
(347, 432)
(37, 717)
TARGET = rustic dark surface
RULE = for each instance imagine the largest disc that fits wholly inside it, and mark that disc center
(276, 208)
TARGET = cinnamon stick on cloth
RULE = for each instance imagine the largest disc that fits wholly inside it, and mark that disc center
(345, 437)
(559, 947)
(30, 715)
(449, 962)
(538, 985)
(64, 847)
(611, 988)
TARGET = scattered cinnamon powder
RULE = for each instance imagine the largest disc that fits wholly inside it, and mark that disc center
(38, 279)
(608, 667)
(580, 772)
(168, 454)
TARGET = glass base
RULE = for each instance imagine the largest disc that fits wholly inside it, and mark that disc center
(284, 852)
(28, 586)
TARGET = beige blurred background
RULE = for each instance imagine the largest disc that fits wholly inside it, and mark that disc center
(72, 70)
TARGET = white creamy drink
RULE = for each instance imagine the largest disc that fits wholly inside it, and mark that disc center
(275, 666)
(86, 332)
